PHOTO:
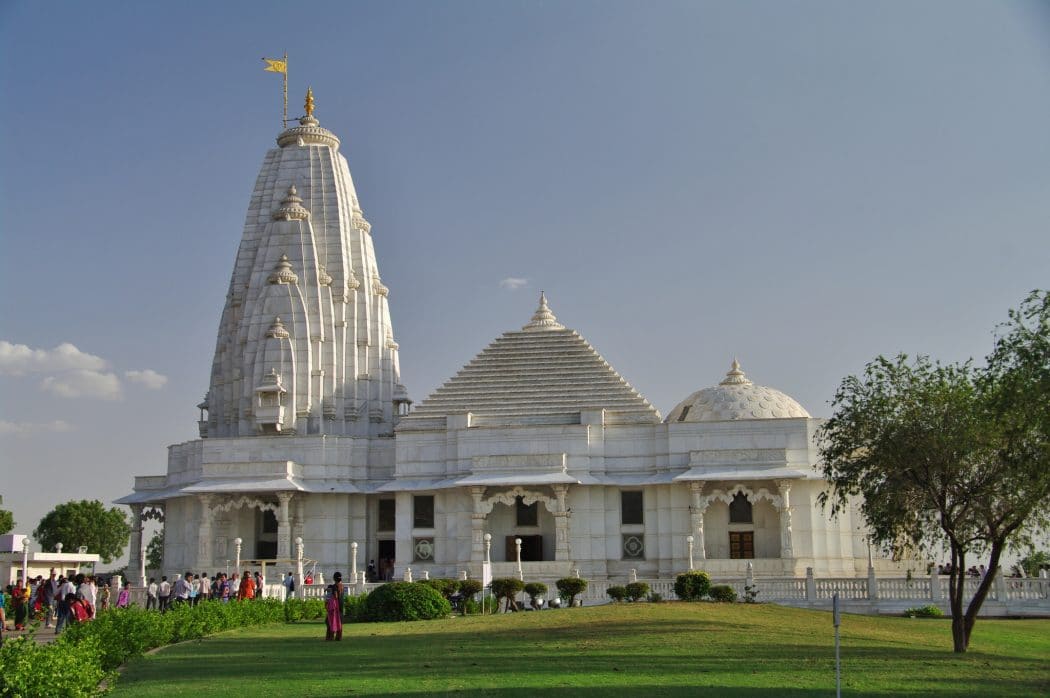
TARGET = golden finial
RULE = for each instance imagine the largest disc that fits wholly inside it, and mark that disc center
(309, 101)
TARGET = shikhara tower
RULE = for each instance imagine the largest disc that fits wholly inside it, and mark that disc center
(305, 432)
(305, 344)
(305, 389)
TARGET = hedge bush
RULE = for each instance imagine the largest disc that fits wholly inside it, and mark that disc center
(928, 611)
(617, 593)
(87, 653)
(470, 588)
(507, 588)
(445, 587)
(637, 590)
(399, 601)
(535, 590)
(723, 593)
(692, 586)
(303, 609)
(571, 587)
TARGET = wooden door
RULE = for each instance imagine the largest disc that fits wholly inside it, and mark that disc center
(742, 545)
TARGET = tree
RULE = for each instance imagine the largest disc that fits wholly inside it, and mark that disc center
(1034, 562)
(155, 551)
(507, 588)
(949, 456)
(7, 521)
(85, 523)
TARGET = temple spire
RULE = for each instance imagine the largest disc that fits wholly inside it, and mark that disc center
(543, 318)
(735, 376)
(309, 104)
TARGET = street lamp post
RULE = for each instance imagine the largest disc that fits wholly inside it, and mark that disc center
(299, 564)
(353, 561)
(25, 562)
(689, 540)
(517, 546)
(488, 547)
(237, 550)
(142, 564)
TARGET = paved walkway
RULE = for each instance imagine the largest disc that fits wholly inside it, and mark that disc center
(43, 635)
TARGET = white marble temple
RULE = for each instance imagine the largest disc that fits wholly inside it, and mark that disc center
(305, 432)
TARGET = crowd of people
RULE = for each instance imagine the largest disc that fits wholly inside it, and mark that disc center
(193, 588)
(58, 600)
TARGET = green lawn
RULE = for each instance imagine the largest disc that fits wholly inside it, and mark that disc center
(639, 650)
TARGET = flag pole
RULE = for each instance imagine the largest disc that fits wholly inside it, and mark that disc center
(285, 89)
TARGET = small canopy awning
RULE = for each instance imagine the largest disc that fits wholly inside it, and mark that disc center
(518, 478)
(232, 485)
(150, 496)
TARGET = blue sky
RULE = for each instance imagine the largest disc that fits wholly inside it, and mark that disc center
(804, 185)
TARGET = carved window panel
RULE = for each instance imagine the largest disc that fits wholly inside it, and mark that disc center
(423, 550)
(633, 546)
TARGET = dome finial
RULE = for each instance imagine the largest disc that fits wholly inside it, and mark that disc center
(735, 376)
(543, 318)
(309, 105)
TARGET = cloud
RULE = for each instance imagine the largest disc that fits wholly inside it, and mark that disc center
(148, 378)
(83, 383)
(17, 359)
(513, 283)
(30, 428)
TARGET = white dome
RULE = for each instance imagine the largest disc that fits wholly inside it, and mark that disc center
(736, 398)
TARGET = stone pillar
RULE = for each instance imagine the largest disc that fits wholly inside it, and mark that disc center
(811, 586)
(204, 555)
(787, 551)
(284, 528)
(696, 516)
(935, 586)
(135, 551)
(300, 517)
(477, 524)
(561, 523)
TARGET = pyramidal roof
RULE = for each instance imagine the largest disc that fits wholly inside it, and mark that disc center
(536, 375)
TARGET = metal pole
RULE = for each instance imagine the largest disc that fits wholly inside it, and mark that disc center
(836, 619)
(285, 89)
(689, 540)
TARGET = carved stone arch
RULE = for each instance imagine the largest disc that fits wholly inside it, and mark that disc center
(154, 512)
(528, 497)
(246, 501)
(739, 488)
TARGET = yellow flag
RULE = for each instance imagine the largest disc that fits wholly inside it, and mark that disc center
(276, 65)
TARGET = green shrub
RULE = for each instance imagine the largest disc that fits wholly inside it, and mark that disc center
(692, 586)
(570, 587)
(928, 611)
(398, 601)
(353, 608)
(535, 590)
(656, 598)
(637, 590)
(488, 604)
(303, 609)
(62, 668)
(470, 588)
(616, 593)
(723, 593)
(445, 587)
(507, 588)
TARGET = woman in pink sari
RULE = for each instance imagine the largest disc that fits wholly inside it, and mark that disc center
(333, 618)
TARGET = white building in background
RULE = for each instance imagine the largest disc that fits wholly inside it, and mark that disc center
(306, 432)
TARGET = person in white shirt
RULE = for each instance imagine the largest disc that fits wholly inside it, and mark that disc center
(182, 588)
(164, 593)
(151, 593)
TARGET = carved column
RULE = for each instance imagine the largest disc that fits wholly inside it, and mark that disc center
(561, 524)
(786, 547)
(135, 553)
(204, 556)
(284, 529)
(300, 517)
(696, 516)
(477, 524)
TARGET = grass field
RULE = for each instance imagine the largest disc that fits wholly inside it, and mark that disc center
(637, 649)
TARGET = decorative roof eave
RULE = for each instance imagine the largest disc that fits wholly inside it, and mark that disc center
(745, 473)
